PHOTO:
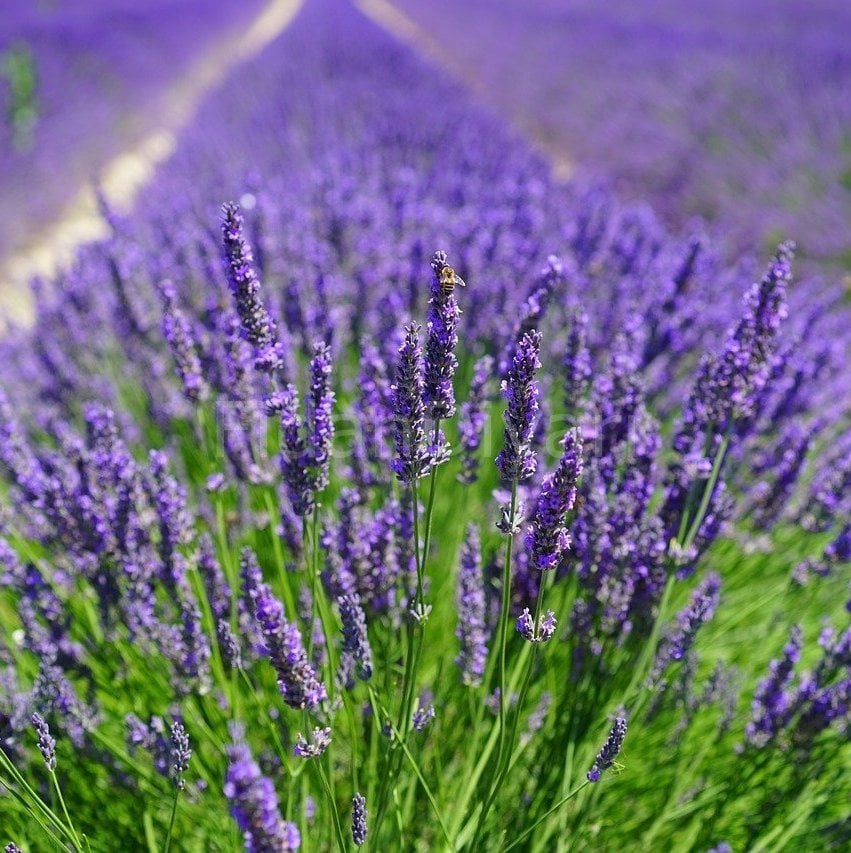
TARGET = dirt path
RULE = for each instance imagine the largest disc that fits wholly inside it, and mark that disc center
(123, 177)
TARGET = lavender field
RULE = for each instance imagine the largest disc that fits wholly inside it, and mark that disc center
(372, 486)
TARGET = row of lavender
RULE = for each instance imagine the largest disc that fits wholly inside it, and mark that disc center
(81, 81)
(180, 520)
(738, 114)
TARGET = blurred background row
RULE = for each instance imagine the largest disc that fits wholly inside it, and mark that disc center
(737, 113)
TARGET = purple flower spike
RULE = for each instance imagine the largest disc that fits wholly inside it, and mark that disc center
(412, 456)
(610, 750)
(516, 461)
(544, 630)
(773, 696)
(547, 538)
(422, 717)
(472, 627)
(178, 333)
(319, 423)
(577, 362)
(440, 359)
(297, 680)
(359, 829)
(473, 418)
(313, 746)
(355, 639)
(180, 753)
(254, 806)
(257, 324)
(46, 743)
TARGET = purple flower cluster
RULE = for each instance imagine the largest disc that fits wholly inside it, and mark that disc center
(680, 638)
(359, 815)
(254, 806)
(472, 630)
(297, 679)
(46, 743)
(413, 458)
(314, 745)
(355, 638)
(516, 461)
(440, 359)
(540, 633)
(547, 538)
(473, 419)
(609, 751)
(258, 326)
(306, 446)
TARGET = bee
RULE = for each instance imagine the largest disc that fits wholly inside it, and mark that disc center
(448, 278)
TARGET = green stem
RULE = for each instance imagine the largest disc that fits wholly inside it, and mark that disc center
(338, 827)
(65, 810)
(544, 816)
(416, 768)
(504, 617)
(171, 820)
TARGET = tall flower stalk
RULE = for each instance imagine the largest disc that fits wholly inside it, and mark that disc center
(516, 462)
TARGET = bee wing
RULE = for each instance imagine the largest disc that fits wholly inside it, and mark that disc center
(460, 281)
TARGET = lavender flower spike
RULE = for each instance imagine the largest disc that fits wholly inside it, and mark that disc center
(257, 324)
(320, 415)
(254, 806)
(516, 461)
(471, 630)
(313, 747)
(180, 753)
(541, 633)
(609, 752)
(547, 537)
(440, 359)
(412, 456)
(46, 743)
(679, 639)
(359, 828)
(11, 847)
(471, 422)
(773, 696)
(355, 639)
(178, 333)
(297, 680)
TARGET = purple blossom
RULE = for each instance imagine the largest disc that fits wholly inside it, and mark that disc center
(680, 638)
(472, 627)
(547, 538)
(319, 740)
(180, 753)
(178, 333)
(440, 359)
(516, 461)
(472, 420)
(355, 638)
(412, 459)
(46, 743)
(422, 716)
(319, 421)
(297, 680)
(254, 806)
(359, 815)
(773, 697)
(609, 751)
(541, 633)
(257, 324)
(576, 362)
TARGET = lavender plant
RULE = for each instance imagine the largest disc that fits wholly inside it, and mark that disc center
(249, 588)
